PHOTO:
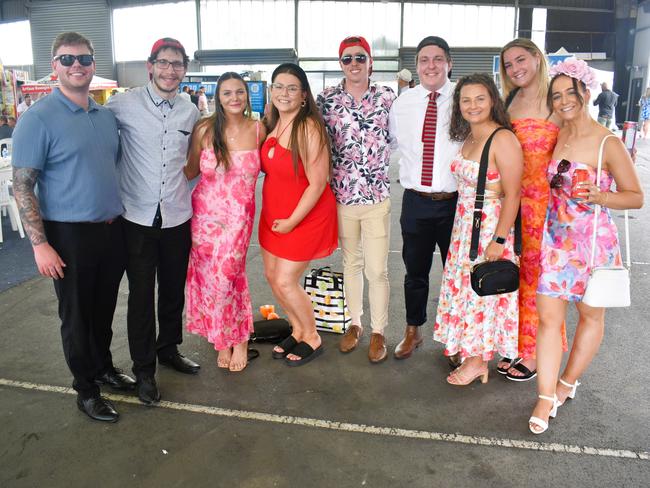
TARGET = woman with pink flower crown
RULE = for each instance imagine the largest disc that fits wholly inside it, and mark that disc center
(567, 238)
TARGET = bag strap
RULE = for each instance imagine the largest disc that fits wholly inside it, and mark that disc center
(597, 213)
(480, 198)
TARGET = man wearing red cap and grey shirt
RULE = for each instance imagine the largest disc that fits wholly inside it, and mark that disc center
(356, 115)
(155, 127)
(419, 122)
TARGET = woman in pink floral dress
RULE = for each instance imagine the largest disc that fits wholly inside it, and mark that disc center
(225, 151)
(566, 243)
(470, 325)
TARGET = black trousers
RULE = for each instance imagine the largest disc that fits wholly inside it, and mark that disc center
(425, 224)
(162, 254)
(95, 257)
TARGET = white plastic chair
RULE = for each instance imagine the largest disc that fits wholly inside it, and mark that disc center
(8, 202)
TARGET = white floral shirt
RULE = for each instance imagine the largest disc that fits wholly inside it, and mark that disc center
(360, 142)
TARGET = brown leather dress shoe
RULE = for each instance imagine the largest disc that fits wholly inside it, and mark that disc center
(412, 340)
(350, 339)
(377, 350)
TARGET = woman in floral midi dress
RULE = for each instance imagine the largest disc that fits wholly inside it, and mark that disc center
(225, 150)
(476, 327)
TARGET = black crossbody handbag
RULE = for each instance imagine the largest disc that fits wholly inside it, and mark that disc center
(502, 275)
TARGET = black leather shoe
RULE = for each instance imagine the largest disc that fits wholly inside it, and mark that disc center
(116, 379)
(148, 392)
(180, 363)
(98, 408)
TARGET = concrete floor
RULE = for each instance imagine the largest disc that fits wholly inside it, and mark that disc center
(338, 421)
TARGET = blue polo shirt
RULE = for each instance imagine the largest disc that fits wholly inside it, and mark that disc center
(75, 152)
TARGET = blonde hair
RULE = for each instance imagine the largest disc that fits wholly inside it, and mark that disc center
(542, 71)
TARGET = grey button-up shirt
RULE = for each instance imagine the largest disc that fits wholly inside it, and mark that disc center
(155, 136)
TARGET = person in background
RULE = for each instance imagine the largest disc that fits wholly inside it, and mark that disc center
(11, 121)
(194, 98)
(404, 79)
(225, 152)
(524, 72)
(644, 113)
(298, 218)
(67, 147)
(567, 239)
(25, 104)
(419, 123)
(185, 93)
(469, 325)
(356, 116)
(155, 126)
(5, 129)
(606, 102)
(203, 103)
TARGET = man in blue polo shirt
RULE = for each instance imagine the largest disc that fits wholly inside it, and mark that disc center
(66, 148)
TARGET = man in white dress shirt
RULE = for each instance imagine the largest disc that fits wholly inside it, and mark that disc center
(419, 121)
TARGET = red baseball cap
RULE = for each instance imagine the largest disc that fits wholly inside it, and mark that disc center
(166, 42)
(354, 41)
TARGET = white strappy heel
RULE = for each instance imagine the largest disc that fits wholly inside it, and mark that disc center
(542, 424)
(572, 393)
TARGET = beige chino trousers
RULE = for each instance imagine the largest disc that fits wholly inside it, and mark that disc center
(364, 233)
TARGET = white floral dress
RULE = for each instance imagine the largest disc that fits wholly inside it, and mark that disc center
(465, 322)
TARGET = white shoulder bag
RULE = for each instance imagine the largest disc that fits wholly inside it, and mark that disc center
(607, 286)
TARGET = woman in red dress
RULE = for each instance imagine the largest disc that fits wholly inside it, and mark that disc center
(298, 219)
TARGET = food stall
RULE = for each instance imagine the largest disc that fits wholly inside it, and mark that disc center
(10, 81)
(100, 88)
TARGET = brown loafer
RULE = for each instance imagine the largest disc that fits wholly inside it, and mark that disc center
(377, 350)
(350, 339)
(412, 340)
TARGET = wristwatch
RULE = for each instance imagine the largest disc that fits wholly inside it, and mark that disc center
(498, 240)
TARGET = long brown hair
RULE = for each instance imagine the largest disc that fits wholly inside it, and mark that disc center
(542, 72)
(217, 121)
(308, 112)
(459, 128)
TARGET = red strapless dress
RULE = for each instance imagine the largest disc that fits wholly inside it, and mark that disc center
(313, 238)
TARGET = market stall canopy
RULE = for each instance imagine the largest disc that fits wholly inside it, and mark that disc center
(45, 85)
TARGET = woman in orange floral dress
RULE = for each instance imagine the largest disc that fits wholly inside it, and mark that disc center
(524, 75)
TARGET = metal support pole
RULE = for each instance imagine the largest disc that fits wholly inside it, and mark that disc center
(199, 37)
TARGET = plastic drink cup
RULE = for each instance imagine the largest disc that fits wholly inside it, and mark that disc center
(579, 176)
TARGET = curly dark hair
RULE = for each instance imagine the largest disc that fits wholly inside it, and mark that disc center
(459, 128)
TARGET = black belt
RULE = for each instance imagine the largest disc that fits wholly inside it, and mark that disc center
(441, 195)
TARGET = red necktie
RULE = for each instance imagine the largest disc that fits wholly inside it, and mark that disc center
(429, 139)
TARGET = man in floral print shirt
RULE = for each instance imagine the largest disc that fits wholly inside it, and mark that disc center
(356, 115)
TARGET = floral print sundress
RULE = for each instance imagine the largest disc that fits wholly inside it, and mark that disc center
(566, 243)
(218, 302)
(465, 322)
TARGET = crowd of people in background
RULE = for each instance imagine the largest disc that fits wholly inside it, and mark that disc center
(100, 212)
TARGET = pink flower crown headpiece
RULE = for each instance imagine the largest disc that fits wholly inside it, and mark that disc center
(576, 68)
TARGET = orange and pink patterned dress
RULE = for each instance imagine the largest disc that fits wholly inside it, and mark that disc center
(537, 138)
(218, 302)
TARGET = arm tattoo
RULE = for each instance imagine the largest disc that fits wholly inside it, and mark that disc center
(24, 180)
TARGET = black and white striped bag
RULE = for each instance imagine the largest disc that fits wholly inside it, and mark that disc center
(325, 289)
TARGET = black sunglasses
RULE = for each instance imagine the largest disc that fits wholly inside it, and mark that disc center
(69, 59)
(359, 58)
(562, 167)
